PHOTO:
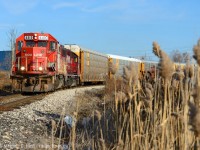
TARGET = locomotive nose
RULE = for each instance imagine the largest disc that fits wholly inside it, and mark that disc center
(34, 59)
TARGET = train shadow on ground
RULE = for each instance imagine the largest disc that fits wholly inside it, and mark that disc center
(5, 91)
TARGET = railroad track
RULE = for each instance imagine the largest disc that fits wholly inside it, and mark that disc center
(15, 101)
(9, 98)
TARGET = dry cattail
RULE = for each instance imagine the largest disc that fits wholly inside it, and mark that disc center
(147, 100)
(189, 71)
(180, 75)
(194, 118)
(196, 51)
(53, 124)
(121, 97)
(175, 84)
(131, 74)
(134, 73)
(149, 86)
(127, 74)
(98, 114)
(75, 114)
(148, 93)
(156, 49)
(196, 95)
(166, 66)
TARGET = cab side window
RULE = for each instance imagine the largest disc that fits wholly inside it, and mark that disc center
(52, 46)
(19, 45)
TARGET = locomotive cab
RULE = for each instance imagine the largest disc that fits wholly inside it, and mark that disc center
(33, 54)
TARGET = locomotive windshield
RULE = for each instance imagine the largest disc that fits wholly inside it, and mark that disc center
(33, 44)
(42, 44)
(30, 43)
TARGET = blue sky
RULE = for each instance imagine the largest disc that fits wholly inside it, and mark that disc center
(121, 27)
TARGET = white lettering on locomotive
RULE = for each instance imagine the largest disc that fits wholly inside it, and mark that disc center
(28, 37)
(36, 55)
(43, 38)
(28, 54)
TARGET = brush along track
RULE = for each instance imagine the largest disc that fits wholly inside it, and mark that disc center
(7, 104)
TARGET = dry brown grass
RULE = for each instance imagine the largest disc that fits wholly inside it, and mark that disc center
(194, 115)
(129, 115)
(5, 83)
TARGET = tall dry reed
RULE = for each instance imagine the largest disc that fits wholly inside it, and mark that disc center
(142, 115)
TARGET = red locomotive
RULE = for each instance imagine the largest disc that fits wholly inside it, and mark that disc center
(42, 64)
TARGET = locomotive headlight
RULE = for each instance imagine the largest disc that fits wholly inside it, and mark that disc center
(40, 68)
(22, 68)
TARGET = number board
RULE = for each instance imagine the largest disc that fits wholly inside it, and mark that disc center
(28, 37)
(44, 38)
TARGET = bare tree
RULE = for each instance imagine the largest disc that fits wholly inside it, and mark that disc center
(186, 57)
(12, 34)
(179, 57)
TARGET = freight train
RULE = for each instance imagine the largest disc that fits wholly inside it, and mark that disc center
(41, 64)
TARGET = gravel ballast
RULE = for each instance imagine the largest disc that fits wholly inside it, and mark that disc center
(25, 128)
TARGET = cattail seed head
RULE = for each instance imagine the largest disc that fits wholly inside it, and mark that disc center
(196, 50)
(166, 66)
(191, 71)
(156, 49)
(194, 118)
(98, 114)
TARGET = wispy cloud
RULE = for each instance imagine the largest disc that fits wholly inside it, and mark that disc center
(141, 11)
(94, 6)
(126, 10)
(19, 6)
(117, 6)
(66, 4)
(150, 15)
(9, 26)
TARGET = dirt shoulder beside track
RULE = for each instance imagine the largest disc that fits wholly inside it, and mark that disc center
(28, 127)
(5, 83)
